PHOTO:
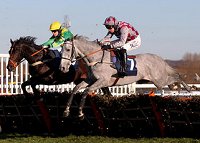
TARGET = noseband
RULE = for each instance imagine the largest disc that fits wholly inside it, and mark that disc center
(15, 64)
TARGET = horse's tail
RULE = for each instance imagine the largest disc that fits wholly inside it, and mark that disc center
(172, 72)
(177, 77)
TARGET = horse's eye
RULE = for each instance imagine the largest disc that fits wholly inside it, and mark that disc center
(68, 50)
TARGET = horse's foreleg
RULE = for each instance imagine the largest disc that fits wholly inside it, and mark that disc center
(35, 91)
(97, 85)
(23, 86)
(82, 103)
(106, 91)
(69, 102)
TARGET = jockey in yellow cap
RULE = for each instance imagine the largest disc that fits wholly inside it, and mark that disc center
(60, 35)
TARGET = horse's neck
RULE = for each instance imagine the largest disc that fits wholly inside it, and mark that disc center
(91, 54)
(32, 58)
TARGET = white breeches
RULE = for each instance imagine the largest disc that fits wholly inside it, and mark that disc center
(133, 44)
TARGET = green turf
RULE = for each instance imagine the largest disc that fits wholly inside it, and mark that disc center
(23, 138)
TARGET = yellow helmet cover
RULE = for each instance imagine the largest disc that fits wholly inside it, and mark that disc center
(55, 26)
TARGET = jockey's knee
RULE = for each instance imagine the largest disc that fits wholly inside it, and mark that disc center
(113, 59)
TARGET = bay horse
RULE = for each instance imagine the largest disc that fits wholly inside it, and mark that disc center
(42, 71)
(149, 67)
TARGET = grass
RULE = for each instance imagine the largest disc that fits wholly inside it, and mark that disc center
(23, 138)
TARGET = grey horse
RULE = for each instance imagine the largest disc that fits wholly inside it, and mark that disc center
(150, 67)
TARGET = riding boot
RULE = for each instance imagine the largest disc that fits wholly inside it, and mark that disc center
(123, 58)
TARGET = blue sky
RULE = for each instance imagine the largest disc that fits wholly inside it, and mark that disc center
(168, 28)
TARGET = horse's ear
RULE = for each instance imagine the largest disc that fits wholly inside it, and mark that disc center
(75, 36)
(11, 41)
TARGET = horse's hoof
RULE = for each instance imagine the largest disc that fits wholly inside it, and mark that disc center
(66, 113)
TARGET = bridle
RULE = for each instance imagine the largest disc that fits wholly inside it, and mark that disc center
(14, 63)
(73, 52)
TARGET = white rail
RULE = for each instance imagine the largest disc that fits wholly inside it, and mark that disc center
(11, 82)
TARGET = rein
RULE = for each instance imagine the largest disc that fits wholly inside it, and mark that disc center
(38, 62)
(94, 52)
(87, 55)
(37, 52)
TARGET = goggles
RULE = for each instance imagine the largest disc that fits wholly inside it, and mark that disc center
(53, 31)
(109, 26)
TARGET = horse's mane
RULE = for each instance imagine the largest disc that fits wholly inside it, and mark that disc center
(26, 40)
(80, 37)
(85, 40)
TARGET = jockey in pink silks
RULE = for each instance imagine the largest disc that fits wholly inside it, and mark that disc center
(128, 38)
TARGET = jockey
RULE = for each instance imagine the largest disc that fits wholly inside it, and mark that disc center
(128, 39)
(60, 35)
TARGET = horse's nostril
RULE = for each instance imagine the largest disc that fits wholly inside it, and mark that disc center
(62, 68)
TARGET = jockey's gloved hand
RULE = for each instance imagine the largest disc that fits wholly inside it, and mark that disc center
(106, 47)
(46, 47)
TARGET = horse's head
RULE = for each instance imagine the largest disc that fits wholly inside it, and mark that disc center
(16, 55)
(68, 54)
(79, 48)
(17, 51)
